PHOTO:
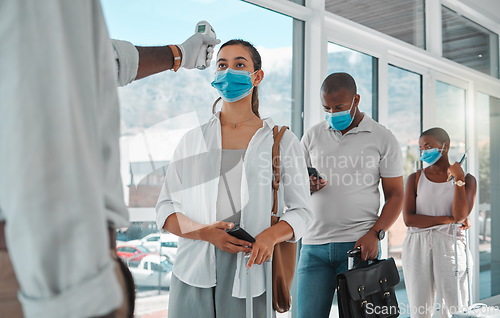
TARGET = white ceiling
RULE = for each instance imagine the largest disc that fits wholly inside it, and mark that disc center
(490, 8)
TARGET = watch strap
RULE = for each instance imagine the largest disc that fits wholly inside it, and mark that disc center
(177, 57)
(378, 233)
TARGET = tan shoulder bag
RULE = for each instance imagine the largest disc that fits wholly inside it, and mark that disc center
(284, 252)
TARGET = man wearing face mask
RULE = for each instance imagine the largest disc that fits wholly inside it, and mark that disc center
(352, 154)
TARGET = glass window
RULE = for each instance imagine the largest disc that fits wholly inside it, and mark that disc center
(488, 199)
(169, 244)
(142, 249)
(126, 249)
(402, 19)
(450, 115)
(362, 68)
(153, 108)
(158, 110)
(155, 267)
(404, 117)
(167, 266)
(468, 43)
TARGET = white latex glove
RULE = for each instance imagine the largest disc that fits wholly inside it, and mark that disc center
(192, 46)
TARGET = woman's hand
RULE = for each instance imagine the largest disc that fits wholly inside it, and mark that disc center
(216, 234)
(456, 171)
(262, 248)
(466, 224)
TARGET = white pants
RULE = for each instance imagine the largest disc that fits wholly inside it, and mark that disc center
(429, 268)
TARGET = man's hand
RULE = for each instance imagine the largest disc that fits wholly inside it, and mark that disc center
(192, 47)
(369, 245)
(316, 184)
(217, 235)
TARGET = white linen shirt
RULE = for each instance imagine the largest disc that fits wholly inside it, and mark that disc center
(191, 187)
(60, 181)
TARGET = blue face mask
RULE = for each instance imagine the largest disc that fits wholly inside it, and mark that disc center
(340, 120)
(233, 85)
(431, 156)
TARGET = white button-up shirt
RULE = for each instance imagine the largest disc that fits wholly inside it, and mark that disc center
(60, 181)
(191, 187)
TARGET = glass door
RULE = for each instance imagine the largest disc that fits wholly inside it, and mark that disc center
(450, 115)
(488, 198)
(404, 120)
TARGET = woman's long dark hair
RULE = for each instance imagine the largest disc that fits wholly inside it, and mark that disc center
(257, 64)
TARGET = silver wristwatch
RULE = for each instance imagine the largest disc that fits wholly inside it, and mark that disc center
(459, 183)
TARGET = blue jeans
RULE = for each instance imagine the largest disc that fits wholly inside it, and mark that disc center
(316, 281)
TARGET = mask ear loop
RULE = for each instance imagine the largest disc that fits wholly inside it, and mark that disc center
(442, 148)
(352, 104)
(251, 76)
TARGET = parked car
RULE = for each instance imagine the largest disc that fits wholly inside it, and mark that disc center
(152, 271)
(153, 241)
(132, 254)
(169, 243)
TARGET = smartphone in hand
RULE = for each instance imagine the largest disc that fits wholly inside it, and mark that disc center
(313, 172)
(240, 233)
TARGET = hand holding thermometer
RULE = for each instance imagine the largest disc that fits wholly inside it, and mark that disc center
(460, 163)
(203, 27)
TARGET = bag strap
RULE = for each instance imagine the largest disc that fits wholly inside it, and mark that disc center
(276, 165)
(364, 302)
(417, 177)
(386, 289)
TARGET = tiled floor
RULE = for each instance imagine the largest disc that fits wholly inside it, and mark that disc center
(155, 306)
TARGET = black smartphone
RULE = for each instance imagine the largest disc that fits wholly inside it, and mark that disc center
(313, 172)
(240, 233)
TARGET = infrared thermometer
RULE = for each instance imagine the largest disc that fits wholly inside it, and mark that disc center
(203, 27)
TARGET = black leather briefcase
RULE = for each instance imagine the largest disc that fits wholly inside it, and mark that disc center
(368, 292)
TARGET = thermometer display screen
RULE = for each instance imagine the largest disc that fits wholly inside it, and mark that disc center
(201, 28)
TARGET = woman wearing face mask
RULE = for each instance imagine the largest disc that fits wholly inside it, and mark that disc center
(432, 204)
(220, 175)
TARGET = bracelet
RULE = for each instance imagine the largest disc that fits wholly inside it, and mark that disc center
(177, 57)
